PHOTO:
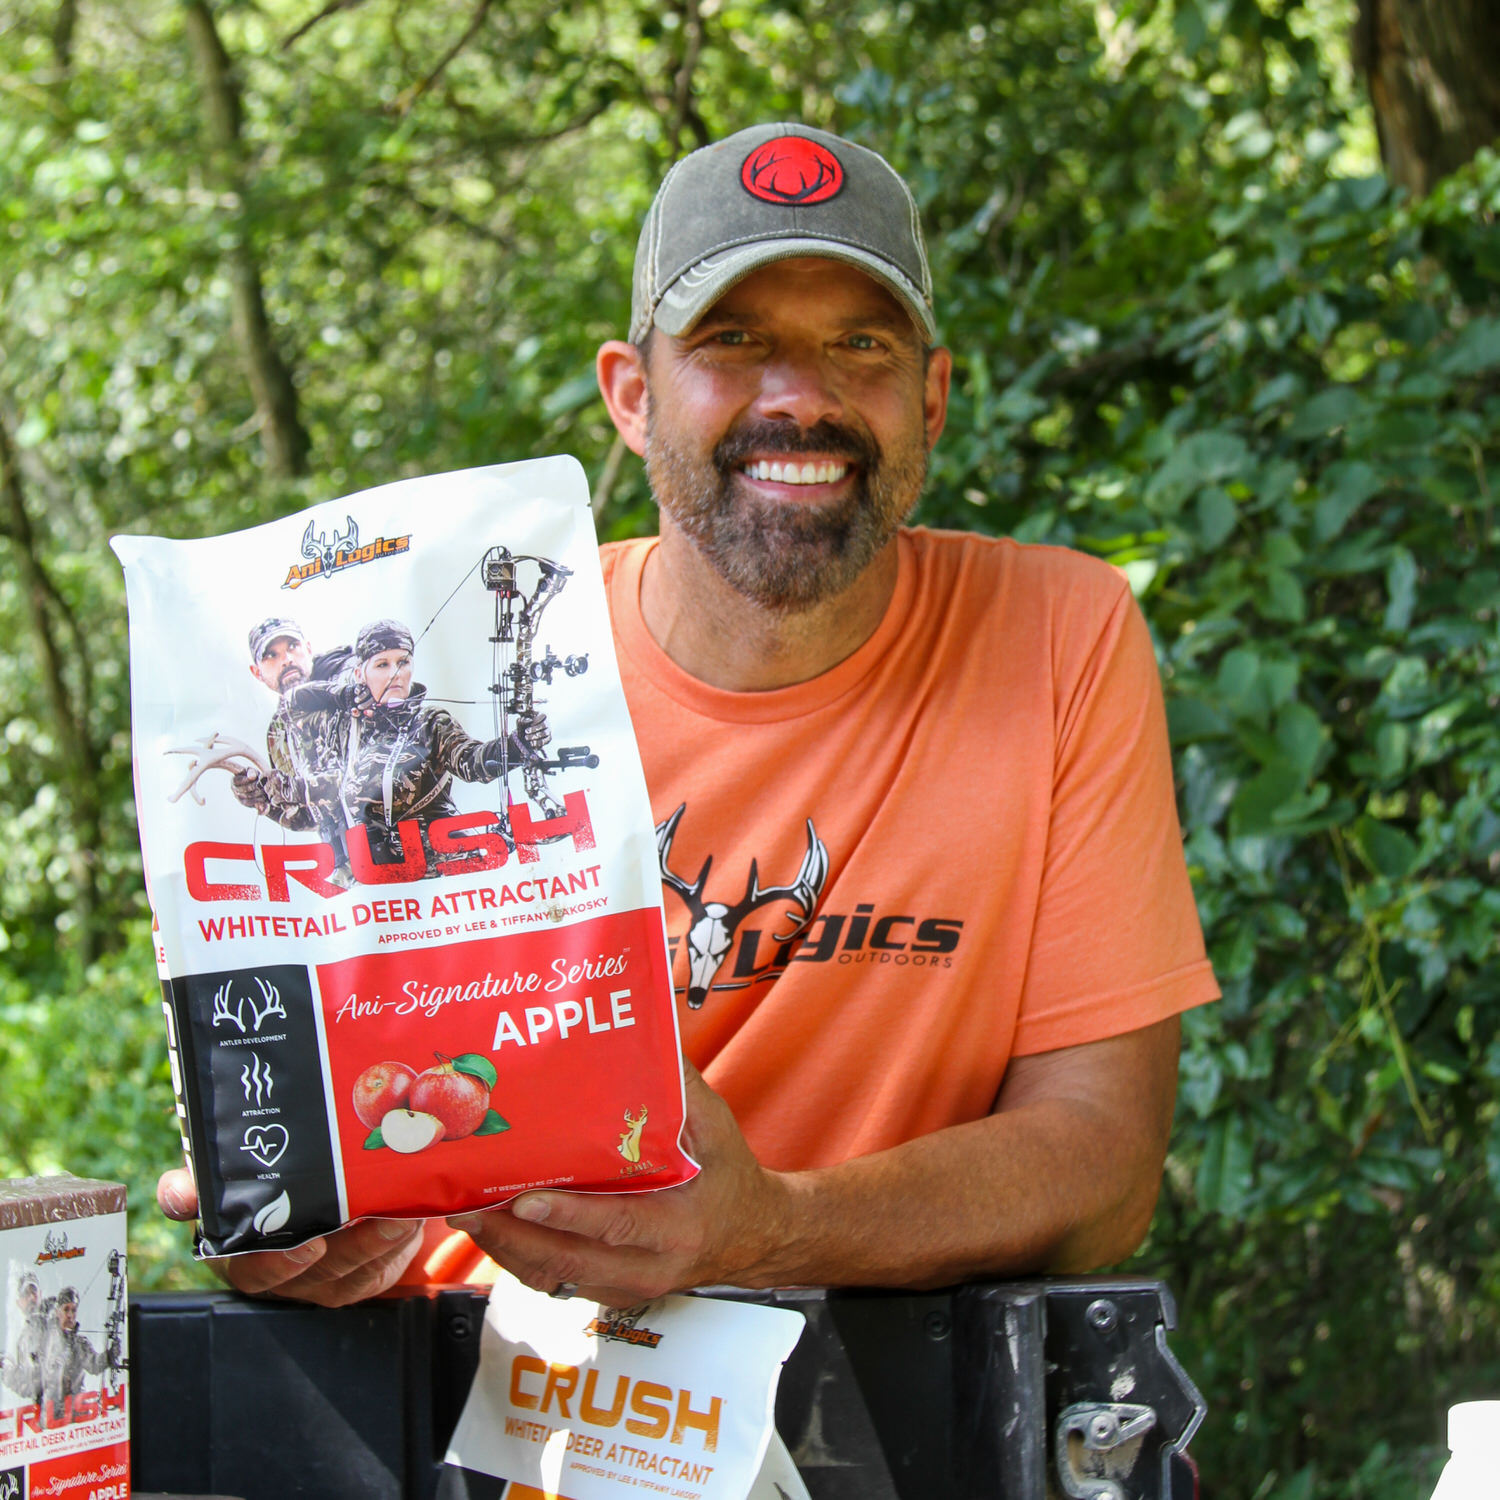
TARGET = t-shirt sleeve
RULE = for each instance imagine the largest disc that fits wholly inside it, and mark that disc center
(448, 1257)
(1116, 944)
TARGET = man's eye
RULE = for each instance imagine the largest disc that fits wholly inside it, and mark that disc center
(864, 342)
(731, 337)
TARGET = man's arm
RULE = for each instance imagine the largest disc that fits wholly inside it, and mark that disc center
(1063, 1176)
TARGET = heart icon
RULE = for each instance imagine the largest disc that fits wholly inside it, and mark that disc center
(266, 1143)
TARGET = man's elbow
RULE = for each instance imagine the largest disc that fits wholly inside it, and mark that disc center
(1110, 1237)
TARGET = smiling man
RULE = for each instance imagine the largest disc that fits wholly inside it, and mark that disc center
(933, 958)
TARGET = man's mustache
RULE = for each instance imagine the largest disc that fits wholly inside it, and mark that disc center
(754, 439)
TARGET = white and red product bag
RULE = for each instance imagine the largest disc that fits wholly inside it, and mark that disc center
(576, 1401)
(401, 859)
(64, 1403)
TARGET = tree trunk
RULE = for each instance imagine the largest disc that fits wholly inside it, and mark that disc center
(78, 755)
(1433, 71)
(282, 435)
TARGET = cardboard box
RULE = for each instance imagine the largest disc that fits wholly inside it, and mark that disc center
(64, 1402)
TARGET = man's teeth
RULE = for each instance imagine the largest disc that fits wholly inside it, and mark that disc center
(797, 473)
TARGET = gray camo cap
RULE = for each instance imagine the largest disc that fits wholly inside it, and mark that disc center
(774, 192)
(272, 629)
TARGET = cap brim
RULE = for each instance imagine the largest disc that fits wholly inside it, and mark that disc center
(700, 286)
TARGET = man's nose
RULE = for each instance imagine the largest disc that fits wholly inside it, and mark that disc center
(799, 388)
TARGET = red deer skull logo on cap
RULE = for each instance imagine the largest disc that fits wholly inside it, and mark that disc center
(792, 171)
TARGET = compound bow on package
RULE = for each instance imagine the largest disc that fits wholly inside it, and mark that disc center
(515, 670)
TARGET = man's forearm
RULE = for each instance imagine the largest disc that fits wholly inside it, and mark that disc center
(1057, 1179)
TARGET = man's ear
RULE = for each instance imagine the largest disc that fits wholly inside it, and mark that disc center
(935, 386)
(621, 369)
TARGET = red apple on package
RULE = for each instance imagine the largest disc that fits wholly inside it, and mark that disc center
(456, 1092)
(380, 1089)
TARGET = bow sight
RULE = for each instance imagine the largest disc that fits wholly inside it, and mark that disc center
(514, 680)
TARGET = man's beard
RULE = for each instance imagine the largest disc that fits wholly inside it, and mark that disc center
(786, 556)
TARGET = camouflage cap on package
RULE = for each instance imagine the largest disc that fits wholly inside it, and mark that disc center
(274, 629)
(775, 192)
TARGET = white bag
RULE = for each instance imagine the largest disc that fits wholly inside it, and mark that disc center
(410, 933)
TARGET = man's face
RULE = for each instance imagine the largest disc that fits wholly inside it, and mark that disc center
(28, 1298)
(788, 432)
(284, 663)
(67, 1316)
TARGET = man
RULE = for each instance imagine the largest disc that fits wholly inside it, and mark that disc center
(951, 1050)
(21, 1369)
(67, 1356)
(386, 755)
(282, 659)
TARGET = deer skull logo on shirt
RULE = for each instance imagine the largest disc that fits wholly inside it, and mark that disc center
(710, 934)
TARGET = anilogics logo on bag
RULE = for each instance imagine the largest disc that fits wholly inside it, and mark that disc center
(326, 557)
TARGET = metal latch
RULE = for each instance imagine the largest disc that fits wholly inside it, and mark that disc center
(1097, 1444)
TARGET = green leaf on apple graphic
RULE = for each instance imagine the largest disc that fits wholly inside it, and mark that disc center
(374, 1141)
(477, 1065)
(493, 1124)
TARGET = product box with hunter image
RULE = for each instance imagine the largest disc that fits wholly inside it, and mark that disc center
(64, 1413)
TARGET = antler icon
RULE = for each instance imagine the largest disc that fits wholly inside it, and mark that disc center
(317, 547)
(714, 923)
(215, 750)
(222, 1011)
(272, 1007)
(269, 994)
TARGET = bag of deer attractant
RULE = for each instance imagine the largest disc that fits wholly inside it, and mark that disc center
(401, 858)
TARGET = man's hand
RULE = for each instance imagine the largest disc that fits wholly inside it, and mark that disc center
(723, 1227)
(358, 1261)
(249, 789)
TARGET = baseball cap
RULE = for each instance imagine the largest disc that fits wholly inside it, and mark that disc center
(770, 193)
(269, 630)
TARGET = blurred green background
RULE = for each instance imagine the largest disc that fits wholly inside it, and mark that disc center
(1223, 285)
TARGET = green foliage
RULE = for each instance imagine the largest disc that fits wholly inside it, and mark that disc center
(1270, 392)
(1195, 334)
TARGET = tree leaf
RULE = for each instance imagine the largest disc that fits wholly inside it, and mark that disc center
(1401, 589)
(1326, 412)
(1224, 1174)
(1217, 516)
(492, 1124)
(374, 1141)
(1386, 850)
(1475, 350)
(1346, 486)
(1301, 735)
(1199, 459)
(1260, 799)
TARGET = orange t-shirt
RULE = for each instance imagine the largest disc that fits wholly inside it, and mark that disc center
(1001, 869)
(978, 806)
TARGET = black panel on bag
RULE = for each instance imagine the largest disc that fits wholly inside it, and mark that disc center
(261, 1138)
